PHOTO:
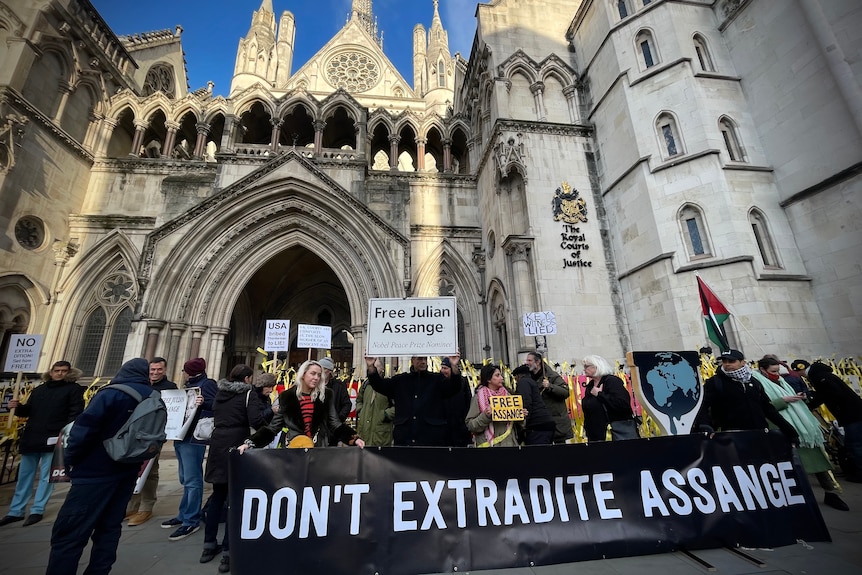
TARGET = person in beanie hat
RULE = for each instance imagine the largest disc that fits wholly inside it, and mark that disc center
(340, 395)
(190, 453)
(846, 406)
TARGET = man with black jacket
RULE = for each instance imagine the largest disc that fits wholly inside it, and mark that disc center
(539, 427)
(101, 487)
(340, 395)
(846, 406)
(51, 406)
(733, 400)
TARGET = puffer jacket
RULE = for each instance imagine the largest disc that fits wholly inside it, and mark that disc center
(236, 408)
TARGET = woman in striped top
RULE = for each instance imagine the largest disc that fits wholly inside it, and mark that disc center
(306, 409)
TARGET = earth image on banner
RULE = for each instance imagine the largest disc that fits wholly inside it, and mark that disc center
(671, 386)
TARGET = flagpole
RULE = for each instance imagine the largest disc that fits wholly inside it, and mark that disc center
(733, 314)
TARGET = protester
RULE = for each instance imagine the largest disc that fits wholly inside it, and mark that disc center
(340, 395)
(554, 392)
(306, 409)
(140, 509)
(606, 402)
(420, 400)
(101, 487)
(374, 416)
(734, 400)
(486, 432)
(788, 374)
(539, 427)
(236, 408)
(52, 405)
(791, 406)
(190, 454)
(457, 407)
(264, 383)
(846, 406)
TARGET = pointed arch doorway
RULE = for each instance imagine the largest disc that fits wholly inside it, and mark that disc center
(298, 285)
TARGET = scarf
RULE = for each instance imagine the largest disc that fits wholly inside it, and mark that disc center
(796, 413)
(483, 394)
(742, 374)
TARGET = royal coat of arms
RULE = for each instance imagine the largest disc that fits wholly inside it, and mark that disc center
(569, 206)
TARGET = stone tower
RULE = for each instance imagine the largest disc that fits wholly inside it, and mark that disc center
(265, 54)
(433, 66)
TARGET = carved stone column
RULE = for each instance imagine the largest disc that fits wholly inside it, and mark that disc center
(538, 90)
(201, 142)
(518, 252)
(229, 136)
(215, 351)
(154, 331)
(447, 156)
(65, 91)
(170, 139)
(420, 154)
(276, 131)
(571, 94)
(140, 128)
(393, 152)
(319, 126)
(361, 131)
(103, 138)
(197, 334)
(177, 331)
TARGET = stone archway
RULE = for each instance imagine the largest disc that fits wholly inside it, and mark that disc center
(298, 285)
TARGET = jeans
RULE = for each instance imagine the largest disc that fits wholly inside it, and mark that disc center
(91, 511)
(24, 487)
(190, 463)
(217, 501)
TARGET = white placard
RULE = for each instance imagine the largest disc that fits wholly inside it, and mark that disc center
(313, 336)
(540, 323)
(277, 335)
(412, 326)
(24, 352)
(181, 410)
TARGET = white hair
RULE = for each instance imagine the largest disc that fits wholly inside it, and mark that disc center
(319, 392)
(603, 368)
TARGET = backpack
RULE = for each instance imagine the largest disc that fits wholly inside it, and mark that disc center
(143, 434)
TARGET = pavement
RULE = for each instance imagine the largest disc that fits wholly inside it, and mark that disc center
(146, 550)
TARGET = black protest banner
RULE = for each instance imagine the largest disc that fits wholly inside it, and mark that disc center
(420, 510)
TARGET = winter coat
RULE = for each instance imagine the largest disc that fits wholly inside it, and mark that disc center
(265, 405)
(209, 388)
(613, 403)
(457, 407)
(236, 408)
(49, 408)
(326, 428)
(830, 389)
(478, 421)
(340, 398)
(538, 415)
(420, 406)
(374, 415)
(555, 396)
(164, 384)
(107, 412)
(730, 404)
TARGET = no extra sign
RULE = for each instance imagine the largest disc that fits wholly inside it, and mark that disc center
(23, 352)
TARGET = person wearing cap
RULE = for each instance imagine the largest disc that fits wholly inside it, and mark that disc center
(190, 454)
(846, 406)
(419, 395)
(539, 427)
(733, 400)
(340, 395)
(457, 407)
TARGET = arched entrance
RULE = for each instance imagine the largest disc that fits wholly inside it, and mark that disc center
(298, 285)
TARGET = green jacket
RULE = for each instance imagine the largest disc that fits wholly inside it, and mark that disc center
(374, 415)
(555, 397)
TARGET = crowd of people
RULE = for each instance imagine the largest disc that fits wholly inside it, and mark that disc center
(418, 407)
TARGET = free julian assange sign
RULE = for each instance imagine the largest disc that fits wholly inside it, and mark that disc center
(412, 326)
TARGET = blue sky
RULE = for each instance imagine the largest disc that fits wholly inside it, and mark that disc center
(212, 28)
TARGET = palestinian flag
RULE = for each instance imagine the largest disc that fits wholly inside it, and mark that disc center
(714, 314)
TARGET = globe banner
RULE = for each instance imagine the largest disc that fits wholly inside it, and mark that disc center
(667, 384)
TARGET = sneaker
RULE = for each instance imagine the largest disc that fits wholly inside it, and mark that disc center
(10, 519)
(183, 532)
(34, 518)
(224, 566)
(209, 554)
(171, 523)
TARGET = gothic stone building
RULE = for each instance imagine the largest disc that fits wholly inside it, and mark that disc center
(590, 158)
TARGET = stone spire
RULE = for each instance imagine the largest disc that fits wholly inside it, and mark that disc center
(265, 54)
(363, 14)
(438, 38)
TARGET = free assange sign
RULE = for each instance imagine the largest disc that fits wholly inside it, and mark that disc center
(412, 326)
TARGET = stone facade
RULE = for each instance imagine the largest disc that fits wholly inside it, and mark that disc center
(588, 159)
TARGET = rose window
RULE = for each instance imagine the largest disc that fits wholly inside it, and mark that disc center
(353, 71)
(118, 288)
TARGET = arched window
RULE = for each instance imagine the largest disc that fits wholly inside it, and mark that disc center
(731, 139)
(669, 135)
(441, 74)
(703, 55)
(694, 233)
(763, 238)
(624, 8)
(102, 346)
(646, 50)
(91, 343)
(117, 342)
(160, 78)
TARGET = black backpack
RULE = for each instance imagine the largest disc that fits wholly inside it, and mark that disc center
(143, 434)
